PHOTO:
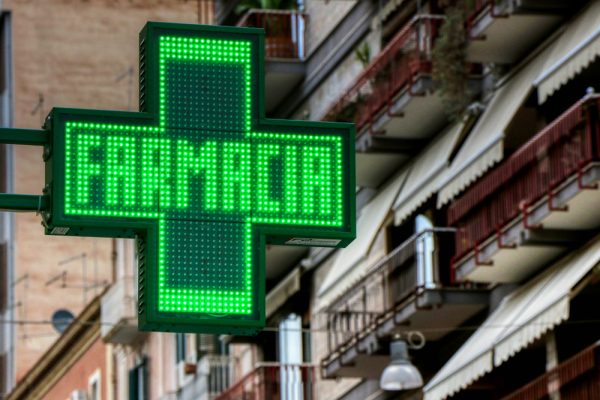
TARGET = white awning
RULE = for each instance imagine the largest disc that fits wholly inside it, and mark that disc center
(522, 317)
(576, 48)
(351, 262)
(425, 173)
(484, 145)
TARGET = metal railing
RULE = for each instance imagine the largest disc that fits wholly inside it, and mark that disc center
(214, 375)
(478, 8)
(218, 372)
(394, 69)
(556, 153)
(284, 31)
(576, 378)
(405, 271)
(275, 381)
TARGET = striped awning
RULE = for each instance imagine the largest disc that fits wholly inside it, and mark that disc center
(521, 318)
(351, 263)
(426, 173)
(576, 48)
(484, 146)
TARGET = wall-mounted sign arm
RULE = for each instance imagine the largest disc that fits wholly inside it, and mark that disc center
(31, 137)
(23, 202)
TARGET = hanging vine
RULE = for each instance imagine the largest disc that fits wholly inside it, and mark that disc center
(450, 68)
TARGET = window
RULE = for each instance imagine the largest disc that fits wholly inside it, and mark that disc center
(94, 386)
(138, 381)
(180, 347)
(204, 344)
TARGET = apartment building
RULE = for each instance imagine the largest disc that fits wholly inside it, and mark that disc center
(477, 229)
(477, 226)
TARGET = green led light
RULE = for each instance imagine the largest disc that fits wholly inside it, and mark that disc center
(209, 175)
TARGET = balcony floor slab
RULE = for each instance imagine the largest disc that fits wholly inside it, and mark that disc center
(501, 39)
(438, 312)
(281, 77)
(435, 312)
(550, 232)
(362, 365)
(372, 169)
(415, 115)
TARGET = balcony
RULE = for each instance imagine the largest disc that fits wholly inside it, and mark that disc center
(576, 378)
(275, 381)
(119, 313)
(535, 204)
(405, 290)
(284, 50)
(393, 102)
(502, 31)
(214, 375)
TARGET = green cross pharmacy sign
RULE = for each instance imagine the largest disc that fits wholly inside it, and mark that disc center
(199, 177)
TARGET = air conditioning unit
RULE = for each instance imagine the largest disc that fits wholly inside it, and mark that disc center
(79, 394)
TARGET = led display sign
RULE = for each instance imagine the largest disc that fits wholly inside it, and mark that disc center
(200, 178)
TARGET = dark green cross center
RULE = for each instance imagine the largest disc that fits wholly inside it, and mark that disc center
(203, 180)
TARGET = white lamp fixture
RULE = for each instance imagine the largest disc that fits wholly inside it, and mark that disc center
(401, 374)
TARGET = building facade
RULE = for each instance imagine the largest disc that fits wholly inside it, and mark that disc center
(478, 139)
(70, 54)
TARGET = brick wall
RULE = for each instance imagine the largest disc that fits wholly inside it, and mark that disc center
(92, 361)
(71, 52)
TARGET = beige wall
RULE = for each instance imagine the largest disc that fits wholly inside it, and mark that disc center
(324, 15)
(322, 19)
(71, 52)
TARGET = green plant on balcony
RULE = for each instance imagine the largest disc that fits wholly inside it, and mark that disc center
(450, 68)
(346, 113)
(363, 54)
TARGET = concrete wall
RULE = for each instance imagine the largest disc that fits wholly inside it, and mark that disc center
(342, 78)
(72, 53)
(323, 16)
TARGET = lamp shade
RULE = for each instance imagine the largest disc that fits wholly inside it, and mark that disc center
(401, 374)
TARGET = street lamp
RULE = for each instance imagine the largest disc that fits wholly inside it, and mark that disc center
(401, 374)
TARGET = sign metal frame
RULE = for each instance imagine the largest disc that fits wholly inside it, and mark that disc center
(58, 222)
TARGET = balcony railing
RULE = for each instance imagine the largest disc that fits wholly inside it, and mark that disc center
(275, 381)
(408, 269)
(284, 31)
(214, 375)
(476, 8)
(395, 68)
(556, 153)
(218, 372)
(576, 378)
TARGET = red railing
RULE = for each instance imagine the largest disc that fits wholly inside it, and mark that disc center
(557, 152)
(395, 68)
(284, 31)
(576, 378)
(476, 9)
(275, 381)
